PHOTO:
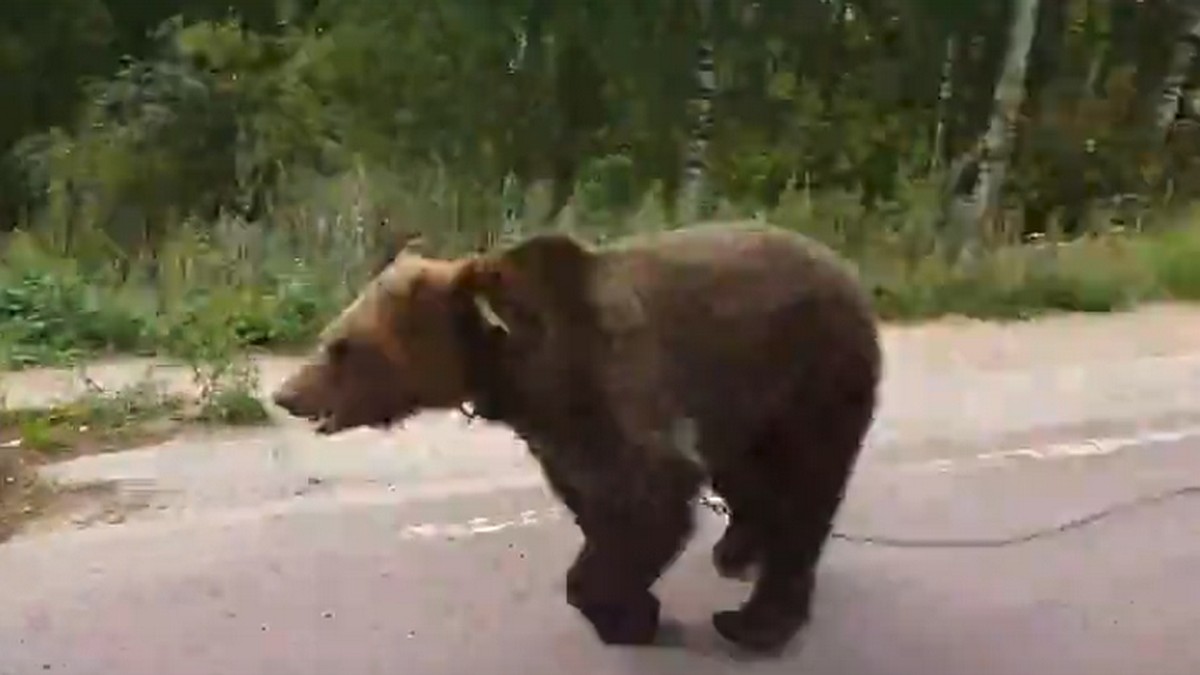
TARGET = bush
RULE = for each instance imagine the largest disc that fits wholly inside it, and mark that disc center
(50, 313)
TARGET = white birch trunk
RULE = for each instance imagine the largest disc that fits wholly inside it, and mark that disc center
(974, 210)
(694, 193)
(1183, 55)
(945, 91)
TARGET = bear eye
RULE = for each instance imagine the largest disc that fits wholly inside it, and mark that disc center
(339, 349)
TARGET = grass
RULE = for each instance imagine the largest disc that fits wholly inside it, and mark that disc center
(214, 291)
(914, 279)
(1174, 258)
(1091, 275)
(53, 313)
(102, 421)
(97, 422)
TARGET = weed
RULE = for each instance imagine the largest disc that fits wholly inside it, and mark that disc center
(231, 399)
(99, 421)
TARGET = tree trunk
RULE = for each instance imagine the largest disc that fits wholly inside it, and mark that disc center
(945, 92)
(1045, 57)
(695, 193)
(1172, 103)
(972, 211)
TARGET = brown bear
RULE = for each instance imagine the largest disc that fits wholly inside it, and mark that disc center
(741, 355)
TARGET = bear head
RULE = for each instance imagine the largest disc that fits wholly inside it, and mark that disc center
(428, 333)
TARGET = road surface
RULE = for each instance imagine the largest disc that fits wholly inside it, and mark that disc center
(468, 581)
(437, 551)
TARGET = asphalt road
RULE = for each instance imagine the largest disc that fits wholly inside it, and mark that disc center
(464, 576)
(436, 550)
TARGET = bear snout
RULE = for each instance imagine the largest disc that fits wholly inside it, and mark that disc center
(295, 397)
(287, 399)
(295, 403)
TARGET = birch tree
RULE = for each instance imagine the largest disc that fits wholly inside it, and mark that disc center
(973, 211)
(1184, 51)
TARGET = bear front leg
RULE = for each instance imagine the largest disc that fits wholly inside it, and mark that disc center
(596, 584)
(599, 589)
(558, 479)
(625, 550)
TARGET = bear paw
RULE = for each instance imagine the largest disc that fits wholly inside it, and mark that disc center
(626, 624)
(756, 632)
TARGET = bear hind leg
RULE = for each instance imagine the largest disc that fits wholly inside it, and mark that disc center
(789, 522)
(740, 548)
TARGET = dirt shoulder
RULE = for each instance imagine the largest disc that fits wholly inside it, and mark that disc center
(1153, 330)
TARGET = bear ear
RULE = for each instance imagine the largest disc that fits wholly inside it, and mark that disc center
(404, 241)
(542, 280)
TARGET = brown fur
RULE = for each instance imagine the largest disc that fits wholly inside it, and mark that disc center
(743, 355)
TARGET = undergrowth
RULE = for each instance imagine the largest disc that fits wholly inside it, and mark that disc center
(215, 291)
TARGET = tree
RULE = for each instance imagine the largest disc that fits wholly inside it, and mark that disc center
(983, 201)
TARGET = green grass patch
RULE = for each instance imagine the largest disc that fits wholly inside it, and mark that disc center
(1020, 282)
(1175, 259)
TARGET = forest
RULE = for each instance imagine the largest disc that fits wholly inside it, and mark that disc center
(230, 169)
